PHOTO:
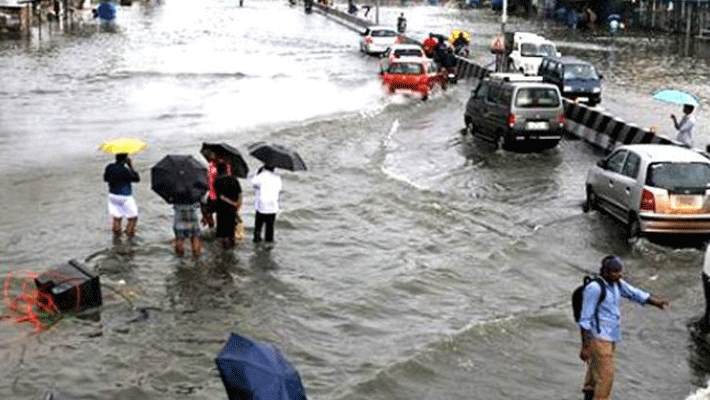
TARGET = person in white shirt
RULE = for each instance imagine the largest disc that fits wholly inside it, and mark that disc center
(685, 126)
(268, 187)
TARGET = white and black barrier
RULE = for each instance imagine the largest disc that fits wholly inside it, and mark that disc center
(594, 126)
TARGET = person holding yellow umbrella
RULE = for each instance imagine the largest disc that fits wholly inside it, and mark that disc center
(119, 175)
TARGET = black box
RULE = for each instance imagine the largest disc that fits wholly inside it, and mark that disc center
(71, 286)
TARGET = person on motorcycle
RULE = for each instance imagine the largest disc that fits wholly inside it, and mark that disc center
(461, 45)
(429, 44)
(440, 51)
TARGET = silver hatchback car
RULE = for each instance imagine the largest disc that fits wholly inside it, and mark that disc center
(653, 188)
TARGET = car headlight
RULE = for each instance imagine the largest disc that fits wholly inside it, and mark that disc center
(597, 90)
(567, 89)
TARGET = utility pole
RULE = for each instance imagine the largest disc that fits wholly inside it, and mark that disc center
(500, 65)
(377, 12)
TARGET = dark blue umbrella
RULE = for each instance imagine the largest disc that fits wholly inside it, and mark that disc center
(106, 11)
(258, 371)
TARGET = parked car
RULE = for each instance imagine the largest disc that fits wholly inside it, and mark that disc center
(526, 50)
(413, 74)
(577, 79)
(400, 50)
(652, 188)
(514, 110)
(376, 39)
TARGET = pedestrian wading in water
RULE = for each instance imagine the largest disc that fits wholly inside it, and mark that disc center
(121, 203)
(600, 328)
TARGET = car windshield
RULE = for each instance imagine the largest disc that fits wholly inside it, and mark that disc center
(537, 97)
(674, 176)
(407, 52)
(382, 33)
(580, 71)
(406, 68)
(534, 50)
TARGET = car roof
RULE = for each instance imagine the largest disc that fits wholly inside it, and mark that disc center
(411, 59)
(666, 152)
(381, 28)
(406, 46)
(531, 37)
(567, 60)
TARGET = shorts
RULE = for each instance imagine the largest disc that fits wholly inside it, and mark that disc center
(120, 206)
(187, 222)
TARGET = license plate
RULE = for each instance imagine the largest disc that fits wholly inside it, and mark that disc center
(686, 202)
(537, 126)
(583, 98)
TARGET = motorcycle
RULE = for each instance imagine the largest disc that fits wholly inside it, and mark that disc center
(462, 51)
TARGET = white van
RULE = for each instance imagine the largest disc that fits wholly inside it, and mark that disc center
(526, 52)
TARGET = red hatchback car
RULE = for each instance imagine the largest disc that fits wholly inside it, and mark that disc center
(416, 74)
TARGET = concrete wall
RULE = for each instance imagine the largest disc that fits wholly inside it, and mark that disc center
(594, 126)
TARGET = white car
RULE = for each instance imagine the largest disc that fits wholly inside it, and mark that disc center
(527, 52)
(377, 39)
(653, 188)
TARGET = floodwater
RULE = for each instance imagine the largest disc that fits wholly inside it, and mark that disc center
(410, 261)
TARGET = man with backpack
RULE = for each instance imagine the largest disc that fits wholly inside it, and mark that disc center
(599, 324)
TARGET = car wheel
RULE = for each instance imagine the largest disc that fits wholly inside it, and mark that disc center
(469, 126)
(591, 201)
(633, 229)
(425, 96)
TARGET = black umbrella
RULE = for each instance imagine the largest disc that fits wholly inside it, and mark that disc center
(239, 166)
(179, 179)
(277, 155)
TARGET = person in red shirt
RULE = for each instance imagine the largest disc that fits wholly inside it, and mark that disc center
(429, 44)
(208, 207)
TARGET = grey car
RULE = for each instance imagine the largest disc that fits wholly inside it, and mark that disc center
(513, 110)
(652, 188)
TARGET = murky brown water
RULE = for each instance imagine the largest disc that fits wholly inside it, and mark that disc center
(410, 261)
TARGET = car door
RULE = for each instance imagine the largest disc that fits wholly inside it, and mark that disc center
(607, 181)
(626, 187)
(489, 112)
(474, 107)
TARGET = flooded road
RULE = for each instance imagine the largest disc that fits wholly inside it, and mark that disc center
(411, 262)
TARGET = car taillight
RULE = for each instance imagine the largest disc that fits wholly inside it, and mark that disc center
(561, 119)
(511, 120)
(368, 40)
(648, 203)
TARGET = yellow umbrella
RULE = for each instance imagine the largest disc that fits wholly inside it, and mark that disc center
(124, 145)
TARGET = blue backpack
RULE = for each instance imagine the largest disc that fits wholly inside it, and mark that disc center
(578, 297)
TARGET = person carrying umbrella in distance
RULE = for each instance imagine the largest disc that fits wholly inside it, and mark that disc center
(685, 126)
(119, 175)
(268, 184)
(229, 201)
(182, 181)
